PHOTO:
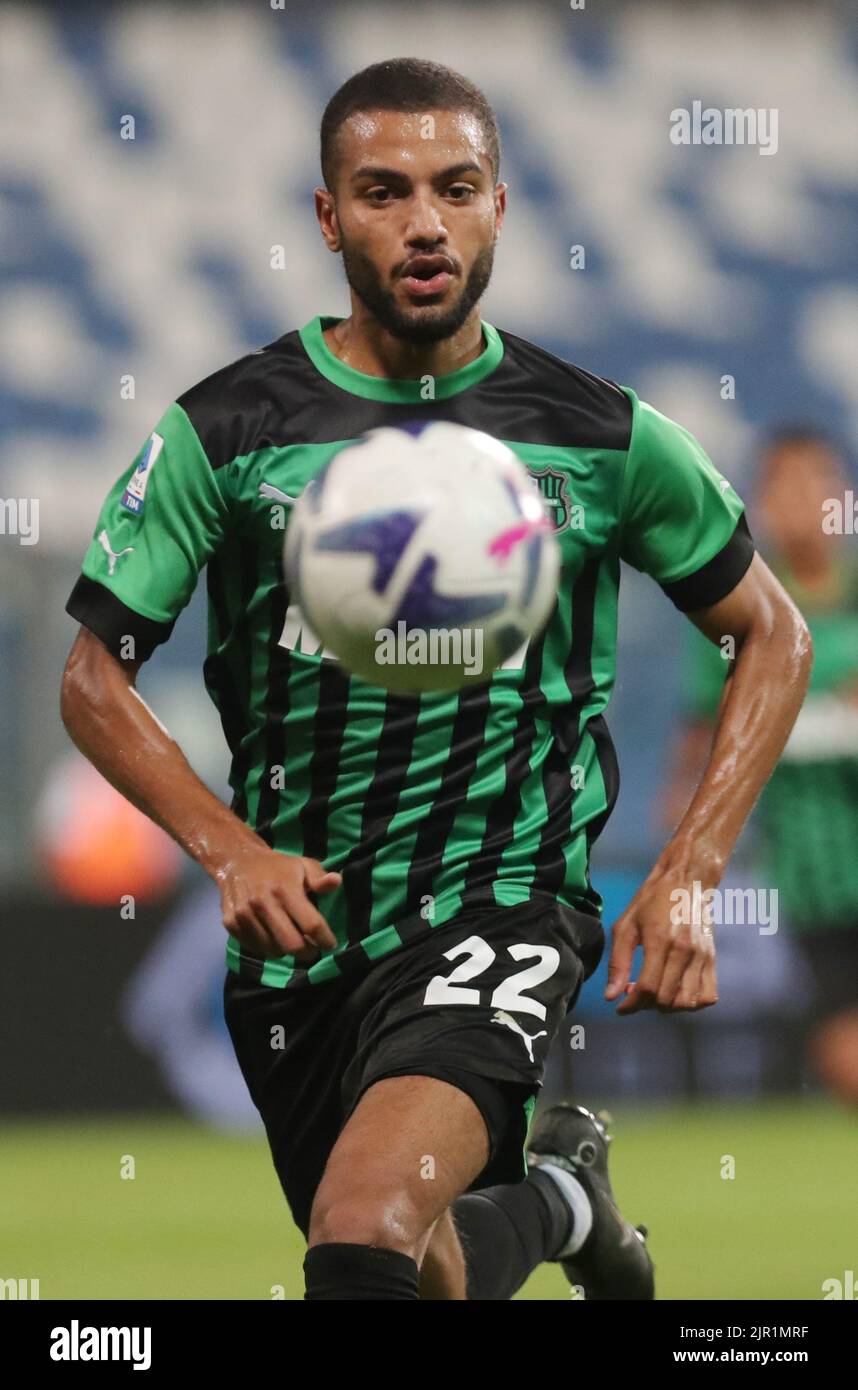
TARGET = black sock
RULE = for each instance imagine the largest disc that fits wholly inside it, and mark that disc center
(339, 1270)
(507, 1231)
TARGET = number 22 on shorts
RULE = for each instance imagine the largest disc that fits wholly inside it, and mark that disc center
(508, 994)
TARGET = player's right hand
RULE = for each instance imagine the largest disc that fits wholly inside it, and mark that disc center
(678, 969)
(266, 905)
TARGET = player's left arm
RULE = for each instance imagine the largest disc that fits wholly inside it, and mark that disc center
(684, 529)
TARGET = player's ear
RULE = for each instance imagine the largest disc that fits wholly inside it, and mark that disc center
(326, 212)
(500, 206)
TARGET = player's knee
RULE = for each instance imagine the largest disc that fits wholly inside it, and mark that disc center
(362, 1218)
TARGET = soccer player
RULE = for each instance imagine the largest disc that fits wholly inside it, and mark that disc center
(404, 880)
(808, 814)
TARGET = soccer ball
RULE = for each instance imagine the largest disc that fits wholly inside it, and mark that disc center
(422, 556)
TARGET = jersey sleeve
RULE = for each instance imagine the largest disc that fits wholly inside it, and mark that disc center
(160, 522)
(680, 520)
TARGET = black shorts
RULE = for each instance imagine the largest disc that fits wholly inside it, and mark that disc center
(476, 1002)
(831, 956)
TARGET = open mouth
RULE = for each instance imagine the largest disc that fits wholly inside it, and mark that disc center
(427, 275)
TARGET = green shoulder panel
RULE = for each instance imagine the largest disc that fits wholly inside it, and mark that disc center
(676, 510)
(160, 522)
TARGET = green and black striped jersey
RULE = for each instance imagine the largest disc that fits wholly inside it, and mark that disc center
(426, 804)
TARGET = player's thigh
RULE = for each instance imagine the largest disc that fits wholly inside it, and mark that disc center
(410, 1147)
(292, 1048)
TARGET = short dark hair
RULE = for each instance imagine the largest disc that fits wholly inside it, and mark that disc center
(405, 84)
(796, 432)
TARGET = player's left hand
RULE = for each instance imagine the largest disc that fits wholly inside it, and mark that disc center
(678, 970)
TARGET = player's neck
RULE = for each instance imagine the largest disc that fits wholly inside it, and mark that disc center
(364, 344)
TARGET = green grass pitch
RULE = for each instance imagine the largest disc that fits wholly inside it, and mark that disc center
(203, 1216)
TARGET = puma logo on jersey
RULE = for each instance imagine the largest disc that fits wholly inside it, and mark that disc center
(112, 555)
(269, 490)
(509, 1022)
(724, 485)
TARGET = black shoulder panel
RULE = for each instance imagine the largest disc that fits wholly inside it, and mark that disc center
(248, 404)
(550, 401)
(276, 397)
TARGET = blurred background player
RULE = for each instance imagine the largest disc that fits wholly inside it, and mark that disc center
(807, 817)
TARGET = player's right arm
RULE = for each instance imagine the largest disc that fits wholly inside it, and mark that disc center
(157, 528)
(683, 524)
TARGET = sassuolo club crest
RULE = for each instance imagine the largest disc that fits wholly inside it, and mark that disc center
(552, 484)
